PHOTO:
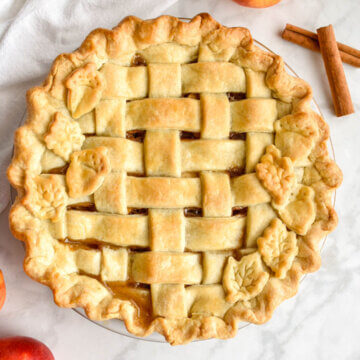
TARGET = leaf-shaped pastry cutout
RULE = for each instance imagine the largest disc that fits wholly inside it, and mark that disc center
(276, 174)
(87, 171)
(45, 196)
(325, 171)
(295, 137)
(85, 86)
(64, 136)
(299, 213)
(244, 279)
(278, 248)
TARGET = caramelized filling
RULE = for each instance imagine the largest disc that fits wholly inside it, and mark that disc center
(193, 212)
(136, 135)
(87, 244)
(92, 243)
(138, 60)
(131, 291)
(59, 170)
(96, 277)
(138, 294)
(233, 96)
(138, 249)
(192, 96)
(237, 255)
(236, 171)
(135, 174)
(137, 211)
(188, 135)
(237, 136)
(85, 206)
(114, 285)
(190, 174)
(239, 211)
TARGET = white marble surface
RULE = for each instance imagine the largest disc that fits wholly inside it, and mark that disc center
(322, 321)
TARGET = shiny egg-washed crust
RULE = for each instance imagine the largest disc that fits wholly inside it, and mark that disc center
(130, 36)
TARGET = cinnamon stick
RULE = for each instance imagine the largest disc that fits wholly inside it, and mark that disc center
(335, 71)
(310, 41)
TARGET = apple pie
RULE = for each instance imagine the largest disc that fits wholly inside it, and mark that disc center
(172, 175)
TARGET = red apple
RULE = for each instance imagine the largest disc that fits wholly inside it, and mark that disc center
(2, 290)
(23, 348)
(257, 3)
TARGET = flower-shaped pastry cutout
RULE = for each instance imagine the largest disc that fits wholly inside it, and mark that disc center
(295, 137)
(64, 136)
(278, 248)
(299, 213)
(45, 196)
(276, 174)
(87, 171)
(244, 279)
(85, 86)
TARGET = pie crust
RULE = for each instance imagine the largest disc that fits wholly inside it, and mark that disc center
(174, 176)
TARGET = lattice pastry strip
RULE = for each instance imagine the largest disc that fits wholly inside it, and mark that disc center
(212, 77)
(162, 153)
(70, 260)
(123, 81)
(247, 191)
(167, 234)
(257, 220)
(183, 156)
(163, 113)
(253, 115)
(164, 80)
(88, 261)
(215, 155)
(213, 266)
(111, 229)
(256, 85)
(170, 53)
(110, 117)
(132, 82)
(173, 300)
(256, 144)
(210, 115)
(216, 194)
(196, 234)
(206, 300)
(169, 300)
(166, 267)
(213, 114)
(167, 230)
(139, 192)
(114, 264)
(107, 263)
(123, 154)
(118, 192)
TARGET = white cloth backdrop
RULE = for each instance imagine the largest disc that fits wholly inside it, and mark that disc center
(32, 34)
(322, 321)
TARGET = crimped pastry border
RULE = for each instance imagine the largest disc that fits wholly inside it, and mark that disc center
(131, 35)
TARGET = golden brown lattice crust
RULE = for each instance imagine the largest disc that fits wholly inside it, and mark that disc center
(165, 122)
